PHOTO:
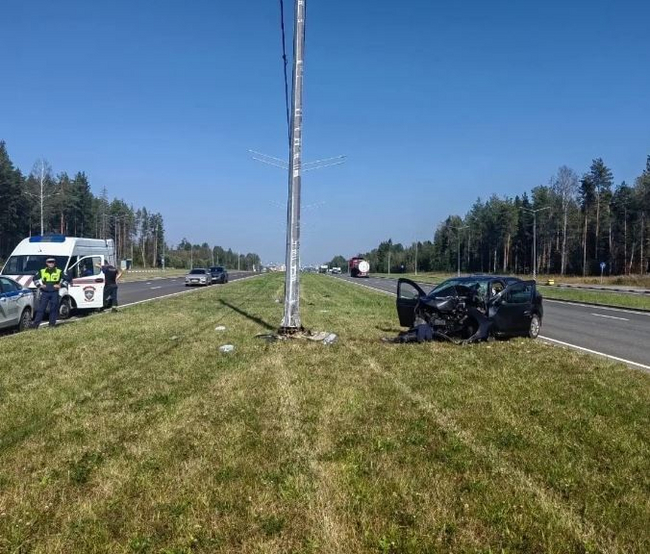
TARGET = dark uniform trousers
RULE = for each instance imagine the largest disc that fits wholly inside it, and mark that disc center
(50, 298)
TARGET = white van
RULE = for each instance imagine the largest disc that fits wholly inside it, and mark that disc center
(77, 257)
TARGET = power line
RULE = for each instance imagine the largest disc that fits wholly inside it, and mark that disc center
(286, 79)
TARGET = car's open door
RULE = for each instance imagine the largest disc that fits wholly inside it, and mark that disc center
(408, 294)
(513, 308)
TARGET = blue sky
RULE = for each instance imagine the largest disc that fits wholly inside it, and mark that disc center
(433, 103)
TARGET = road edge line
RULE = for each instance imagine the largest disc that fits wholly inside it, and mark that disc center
(596, 352)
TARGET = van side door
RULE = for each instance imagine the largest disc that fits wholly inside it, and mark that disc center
(87, 287)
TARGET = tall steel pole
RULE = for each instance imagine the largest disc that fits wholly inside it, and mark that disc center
(534, 212)
(291, 320)
(416, 257)
(458, 230)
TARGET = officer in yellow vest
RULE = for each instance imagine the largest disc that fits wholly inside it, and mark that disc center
(49, 280)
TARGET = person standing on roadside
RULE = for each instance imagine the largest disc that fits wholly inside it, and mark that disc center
(49, 281)
(111, 277)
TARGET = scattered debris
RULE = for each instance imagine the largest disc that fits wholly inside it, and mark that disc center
(220, 328)
(174, 338)
(320, 336)
(226, 348)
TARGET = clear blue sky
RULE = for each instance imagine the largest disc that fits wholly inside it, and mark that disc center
(434, 104)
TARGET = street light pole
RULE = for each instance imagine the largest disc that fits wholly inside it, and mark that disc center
(458, 230)
(416, 257)
(291, 319)
(534, 212)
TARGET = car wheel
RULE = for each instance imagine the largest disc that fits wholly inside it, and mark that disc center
(64, 308)
(25, 321)
(535, 326)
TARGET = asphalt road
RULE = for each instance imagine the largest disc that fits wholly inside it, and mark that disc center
(137, 291)
(617, 333)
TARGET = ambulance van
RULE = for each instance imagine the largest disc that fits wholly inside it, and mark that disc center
(77, 257)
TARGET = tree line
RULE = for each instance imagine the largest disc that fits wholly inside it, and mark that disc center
(44, 203)
(579, 223)
(190, 255)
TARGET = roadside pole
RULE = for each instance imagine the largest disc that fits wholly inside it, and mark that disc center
(458, 230)
(534, 212)
(291, 320)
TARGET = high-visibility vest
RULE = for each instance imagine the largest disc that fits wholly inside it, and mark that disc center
(54, 277)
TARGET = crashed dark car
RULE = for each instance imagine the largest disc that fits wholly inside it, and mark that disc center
(469, 309)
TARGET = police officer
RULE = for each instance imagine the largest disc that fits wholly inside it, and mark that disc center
(49, 280)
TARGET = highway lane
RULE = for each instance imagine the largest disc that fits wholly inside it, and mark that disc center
(612, 332)
(137, 291)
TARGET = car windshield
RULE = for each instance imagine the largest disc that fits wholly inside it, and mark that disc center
(448, 287)
(29, 264)
(216, 269)
(197, 272)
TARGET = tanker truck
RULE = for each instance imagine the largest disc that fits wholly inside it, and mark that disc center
(359, 267)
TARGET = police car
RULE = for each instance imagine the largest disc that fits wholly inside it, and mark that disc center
(16, 305)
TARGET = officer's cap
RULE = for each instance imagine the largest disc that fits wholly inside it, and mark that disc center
(50, 260)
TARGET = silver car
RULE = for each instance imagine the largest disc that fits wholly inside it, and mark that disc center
(16, 305)
(198, 276)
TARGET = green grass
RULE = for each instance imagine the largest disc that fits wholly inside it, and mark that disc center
(623, 280)
(151, 274)
(129, 432)
(621, 300)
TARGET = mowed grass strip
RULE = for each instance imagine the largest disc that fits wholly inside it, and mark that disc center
(130, 432)
(603, 298)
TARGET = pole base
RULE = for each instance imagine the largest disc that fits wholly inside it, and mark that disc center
(289, 331)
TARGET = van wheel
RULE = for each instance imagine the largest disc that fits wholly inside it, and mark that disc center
(25, 321)
(64, 308)
(535, 326)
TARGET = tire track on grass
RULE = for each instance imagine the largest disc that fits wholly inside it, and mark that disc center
(581, 529)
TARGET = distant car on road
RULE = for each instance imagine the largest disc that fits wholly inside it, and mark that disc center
(16, 305)
(336, 270)
(219, 274)
(198, 276)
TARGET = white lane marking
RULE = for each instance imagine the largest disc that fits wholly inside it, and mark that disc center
(154, 288)
(148, 283)
(597, 307)
(611, 317)
(367, 287)
(596, 352)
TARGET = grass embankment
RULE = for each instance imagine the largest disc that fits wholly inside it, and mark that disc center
(605, 298)
(129, 432)
(642, 281)
(151, 274)
(621, 300)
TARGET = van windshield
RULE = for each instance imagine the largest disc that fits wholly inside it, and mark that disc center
(29, 264)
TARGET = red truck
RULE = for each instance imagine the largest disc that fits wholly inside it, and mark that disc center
(359, 267)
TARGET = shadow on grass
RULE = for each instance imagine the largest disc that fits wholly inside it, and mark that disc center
(248, 315)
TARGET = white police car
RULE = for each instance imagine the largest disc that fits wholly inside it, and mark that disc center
(16, 305)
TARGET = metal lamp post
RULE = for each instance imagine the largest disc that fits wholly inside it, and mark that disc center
(534, 212)
(458, 230)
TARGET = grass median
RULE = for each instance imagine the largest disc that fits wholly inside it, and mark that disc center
(130, 432)
(603, 298)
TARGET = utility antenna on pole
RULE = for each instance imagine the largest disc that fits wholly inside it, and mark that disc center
(291, 320)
